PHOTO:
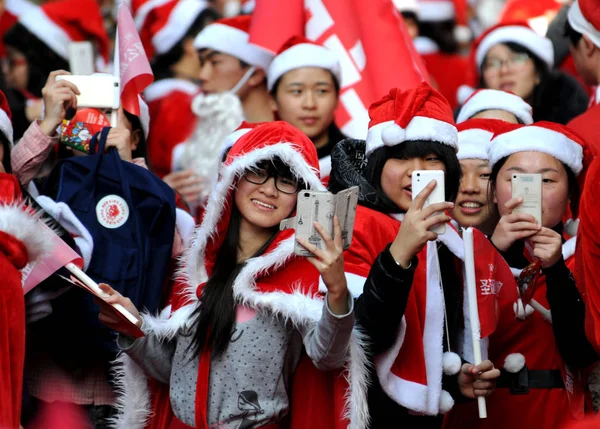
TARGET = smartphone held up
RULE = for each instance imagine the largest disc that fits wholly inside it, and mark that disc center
(528, 187)
(420, 179)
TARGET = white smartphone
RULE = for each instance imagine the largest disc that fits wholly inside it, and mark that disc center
(98, 90)
(420, 179)
(528, 187)
(81, 58)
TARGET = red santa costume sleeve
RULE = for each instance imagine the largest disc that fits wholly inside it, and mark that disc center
(21, 241)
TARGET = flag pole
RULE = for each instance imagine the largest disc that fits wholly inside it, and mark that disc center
(473, 308)
(114, 112)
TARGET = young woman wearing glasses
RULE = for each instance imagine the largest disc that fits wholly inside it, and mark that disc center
(514, 58)
(247, 308)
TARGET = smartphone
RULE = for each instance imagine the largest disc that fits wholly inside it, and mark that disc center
(98, 90)
(322, 207)
(528, 187)
(420, 179)
(81, 58)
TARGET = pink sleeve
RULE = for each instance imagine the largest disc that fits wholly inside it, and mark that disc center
(30, 153)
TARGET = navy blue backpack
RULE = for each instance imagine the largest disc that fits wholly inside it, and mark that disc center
(130, 214)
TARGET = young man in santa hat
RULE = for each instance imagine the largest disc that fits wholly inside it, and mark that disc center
(583, 30)
(233, 82)
(167, 30)
(304, 82)
(38, 44)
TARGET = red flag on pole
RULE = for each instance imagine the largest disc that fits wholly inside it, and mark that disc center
(130, 57)
(369, 38)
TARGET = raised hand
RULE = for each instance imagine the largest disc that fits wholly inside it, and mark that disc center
(120, 137)
(477, 380)
(58, 96)
(187, 183)
(513, 226)
(330, 263)
(415, 231)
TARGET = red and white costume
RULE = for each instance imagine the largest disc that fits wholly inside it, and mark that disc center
(277, 280)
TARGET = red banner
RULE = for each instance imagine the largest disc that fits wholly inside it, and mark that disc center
(369, 38)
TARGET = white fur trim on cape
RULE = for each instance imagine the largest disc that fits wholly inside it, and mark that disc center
(356, 284)
(539, 45)
(436, 11)
(451, 363)
(419, 128)
(234, 42)
(582, 25)
(473, 144)
(180, 19)
(42, 27)
(514, 362)
(133, 395)
(325, 166)
(303, 55)
(26, 228)
(162, 88)
(537, 139)
(62, 213)
(492, 99)
(568, 248)
(6, 127)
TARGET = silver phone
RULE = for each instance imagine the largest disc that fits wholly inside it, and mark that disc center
(528, 187)
(98, 90)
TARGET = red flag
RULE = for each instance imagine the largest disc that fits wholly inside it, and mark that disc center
(492, 275)
(368, 37)
(60, 255)
(134, 68)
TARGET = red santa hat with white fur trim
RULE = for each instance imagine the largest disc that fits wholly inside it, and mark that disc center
(300, 52)
(475, 136)
(518, 32)
(584, 17)
(492, 99)
(231, 36)
(420, 113)
(164, 23)
(436, 10)
(58, 23)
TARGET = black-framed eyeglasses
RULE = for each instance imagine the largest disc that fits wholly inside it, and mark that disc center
(259, 176)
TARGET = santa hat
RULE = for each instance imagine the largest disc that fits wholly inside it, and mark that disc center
(546, 137)
(492, 99)
(519, 33)
(6, 119)
(475, 135)
(436, 10)
(230, 36)
(584, 17)
(164, 23)
(242, 130)
(300, 52)
(58, 23)
(536, 13)
(420, 113)
(411, 6)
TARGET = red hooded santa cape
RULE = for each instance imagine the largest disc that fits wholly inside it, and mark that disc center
(21, 241)
(277, 280)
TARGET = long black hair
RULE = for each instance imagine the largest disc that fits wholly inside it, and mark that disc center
(214, 318)
(574, 191)
(412, 149)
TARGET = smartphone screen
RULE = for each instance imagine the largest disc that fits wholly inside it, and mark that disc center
(420, 179)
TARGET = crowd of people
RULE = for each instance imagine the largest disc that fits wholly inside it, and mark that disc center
(175, 211)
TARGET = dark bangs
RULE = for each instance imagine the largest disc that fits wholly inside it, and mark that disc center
(416, 149)
(280, 168)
